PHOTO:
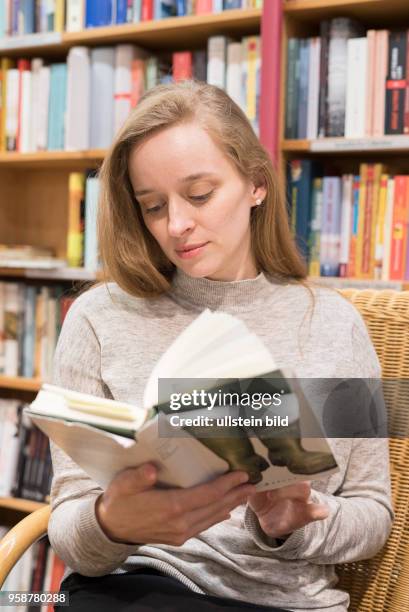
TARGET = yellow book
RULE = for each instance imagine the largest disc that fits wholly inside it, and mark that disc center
(380, 226)
(363, 172)
(59, 19)
(75, 235)
(5, 64)
(373, 214)
(251, 55)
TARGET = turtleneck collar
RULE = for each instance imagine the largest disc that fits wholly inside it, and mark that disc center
(233, 296)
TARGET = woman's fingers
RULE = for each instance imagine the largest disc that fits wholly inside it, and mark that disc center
(290, 515)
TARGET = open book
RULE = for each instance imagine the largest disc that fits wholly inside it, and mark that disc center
(215, 401)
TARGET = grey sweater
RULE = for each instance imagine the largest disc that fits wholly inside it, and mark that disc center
(109, 343)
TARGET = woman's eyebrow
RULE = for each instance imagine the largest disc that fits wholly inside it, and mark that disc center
(186, 179)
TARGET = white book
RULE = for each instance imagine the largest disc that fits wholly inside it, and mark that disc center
(78, 99)
(12, 90)
(216, 61)
(346, 217)
(356, 88)
(26, 111)
(104, 436)
(91, 235)
(75, 15)
(388, 229)
(314, 88)
(102, 97)
(44, 89)
(36, 65)
(124, 54)
(233, 72)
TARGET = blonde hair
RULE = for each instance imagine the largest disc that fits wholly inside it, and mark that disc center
(130, 255)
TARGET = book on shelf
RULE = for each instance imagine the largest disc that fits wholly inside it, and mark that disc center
(200, 430)
(81, 104)
(38, 570)
(30, 321)
(361, 76)
(353, 225)
(42, 16)
(25, 461)
(28, 256)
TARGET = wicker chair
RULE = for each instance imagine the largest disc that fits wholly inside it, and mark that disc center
(380, 584)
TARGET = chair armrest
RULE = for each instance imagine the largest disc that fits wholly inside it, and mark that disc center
(20, 538)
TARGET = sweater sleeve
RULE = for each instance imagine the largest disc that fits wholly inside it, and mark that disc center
(361, 514)
(73, 530)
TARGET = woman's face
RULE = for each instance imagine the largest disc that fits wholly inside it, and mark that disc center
(191, 195)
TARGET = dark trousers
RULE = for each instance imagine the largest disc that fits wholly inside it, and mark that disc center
(144, 590)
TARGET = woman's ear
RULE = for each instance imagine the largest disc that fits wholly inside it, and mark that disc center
(258, 193)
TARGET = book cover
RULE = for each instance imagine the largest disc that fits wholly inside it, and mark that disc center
(175, 437)
(396, 84)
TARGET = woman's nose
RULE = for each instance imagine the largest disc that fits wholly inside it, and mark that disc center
(180, 218)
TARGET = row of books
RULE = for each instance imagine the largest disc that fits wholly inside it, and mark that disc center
(25, 461)
(354, 225)
(30, 321)
(81, 104)
(39, 570)
(347, 83)
(20, 17)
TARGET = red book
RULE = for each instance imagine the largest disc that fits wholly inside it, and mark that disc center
(204, 6)
(147, 10)
(399, 228)
(57, 572)
(137, 81)
(22, 65)
(182, 65)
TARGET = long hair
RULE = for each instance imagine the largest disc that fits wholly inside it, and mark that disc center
(130, 255)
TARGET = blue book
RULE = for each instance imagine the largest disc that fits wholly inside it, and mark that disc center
(91, 260)
(121, 11)
(98, 13)
(14, 17)
(57, 107)
(27, 8)
(181, 8)
(29, 331)
(136, 10)
(331, 226)
(231, 4)
(303, 88)
(302, 173)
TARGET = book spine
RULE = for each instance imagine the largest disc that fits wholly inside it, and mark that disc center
(390, 197)
(322, 117)
(381, 70)
(75, 235)
(121, 11)
(138, 81)
(216, 66)
(399, 221)
(330, 231)
(396, 84)
(406, 114)
(147, 10)
(315, 228)
(380, 226)
(346, 206)
(314, 87)
(75, 15)
(303, 85)
(182, 68)
(136, 10)
(291, 116)
(370, 82)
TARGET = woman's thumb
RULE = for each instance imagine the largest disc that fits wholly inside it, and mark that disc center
(132, 480)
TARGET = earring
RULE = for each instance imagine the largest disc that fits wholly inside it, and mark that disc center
(258, 202)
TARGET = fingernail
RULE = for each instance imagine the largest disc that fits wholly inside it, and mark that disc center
(149, 472)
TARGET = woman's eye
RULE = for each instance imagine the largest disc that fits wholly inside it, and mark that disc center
(201, 198)
(153, 209)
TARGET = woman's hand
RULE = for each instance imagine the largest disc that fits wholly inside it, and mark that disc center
(132, 510)
(282, 511)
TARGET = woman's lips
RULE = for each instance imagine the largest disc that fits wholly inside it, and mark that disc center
(192, 252)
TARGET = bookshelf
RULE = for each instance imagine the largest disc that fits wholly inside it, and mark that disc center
(34, 186)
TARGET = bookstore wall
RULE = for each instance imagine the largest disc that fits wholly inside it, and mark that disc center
(70, 73)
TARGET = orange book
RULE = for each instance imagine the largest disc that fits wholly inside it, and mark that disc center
(363, 172)
(182, 66)
(57, 572)
(399, 228)
(351, 268)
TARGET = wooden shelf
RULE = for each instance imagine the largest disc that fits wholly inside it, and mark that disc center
(351, 146)
(360, 283)
(52, 159)
(20, 383)
(371, 11)
(20, 505)
(175, 32)
(56, 274)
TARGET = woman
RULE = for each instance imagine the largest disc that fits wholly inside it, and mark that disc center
(191, 217)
